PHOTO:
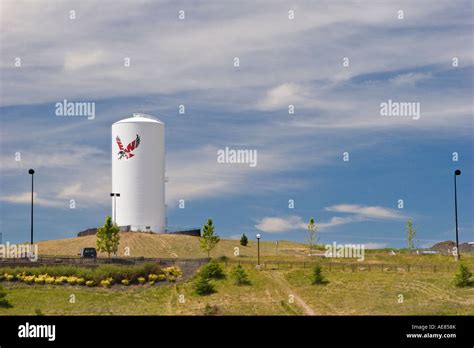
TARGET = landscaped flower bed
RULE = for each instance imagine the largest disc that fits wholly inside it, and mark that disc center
(104, 275)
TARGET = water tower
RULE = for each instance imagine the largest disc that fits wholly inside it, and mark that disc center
(138, 173)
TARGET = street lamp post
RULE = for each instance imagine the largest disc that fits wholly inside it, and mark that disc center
(115, 195)
(31, 172)
(456, 173)
(258, 249)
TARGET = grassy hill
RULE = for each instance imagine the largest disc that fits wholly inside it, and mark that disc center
(180, 246)
(282, 291)
(169, 245)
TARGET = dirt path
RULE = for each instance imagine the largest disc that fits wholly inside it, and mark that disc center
(278, 277)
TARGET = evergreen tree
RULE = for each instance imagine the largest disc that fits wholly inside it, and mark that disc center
(463, 276)
(244, 240)
(3, 299)
(317, 277)
(203, 286)
(240, 276)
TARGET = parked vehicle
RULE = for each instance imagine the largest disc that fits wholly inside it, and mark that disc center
(88, 253)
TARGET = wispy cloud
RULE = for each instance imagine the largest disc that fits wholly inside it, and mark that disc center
(357, 213)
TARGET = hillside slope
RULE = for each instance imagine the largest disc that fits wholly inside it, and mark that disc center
(168, 245)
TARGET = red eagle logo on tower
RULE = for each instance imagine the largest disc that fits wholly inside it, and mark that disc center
(127, 151)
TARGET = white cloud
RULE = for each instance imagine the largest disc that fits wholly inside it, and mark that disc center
(369, 212)
(357, 213)
(82, 59)
(280, 224)
(282, 96)
(25, 198)
(409, 78)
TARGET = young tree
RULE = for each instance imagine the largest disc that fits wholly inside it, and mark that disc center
(463, 276)
(317, 276)
(312, 231)
(108, 237)
(203, 286)
(3, 299)
(244, 240)
(240, 276)
(208, 239)
(411, 233)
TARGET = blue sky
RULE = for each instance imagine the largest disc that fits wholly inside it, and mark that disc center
(282, 61)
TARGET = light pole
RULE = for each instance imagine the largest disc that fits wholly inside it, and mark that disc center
(115, 195)
(456, 173)
(258, 249)
(31, 172)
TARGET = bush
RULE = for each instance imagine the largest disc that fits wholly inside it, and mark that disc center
(463, 276)
(210, 310)
(203, 286)
(212, 271)
(106, 283)
(240, 276)
(152, 282)
(4, 303)
(90, 283)
(153, 277)
(173, 271)
(244, 240)
(161, 277)
(71, 274)
(125, 282)
(141, 280)
(317, 276)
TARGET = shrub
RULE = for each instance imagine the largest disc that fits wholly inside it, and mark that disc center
(240, 276)
(9, 277)
(244, 240)
(106, 282)
(203, 286)
(173, 271)
(161, 277)
(90, 283)
(39, 280)
(210, 310)
(49, 280)
(463, 276)
(171, 278)
(80, 281)
(60, 280)
(125, 282)
(212, 271)
(152, 277)
(317, 276)
(71, 280)
(141, 280)
(4, 303)
(29, 279)
(152, 282)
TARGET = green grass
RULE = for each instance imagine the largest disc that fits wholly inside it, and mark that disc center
(270, 292)
(377, 293)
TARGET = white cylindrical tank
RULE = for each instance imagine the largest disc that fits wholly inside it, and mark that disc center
(138, 173)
